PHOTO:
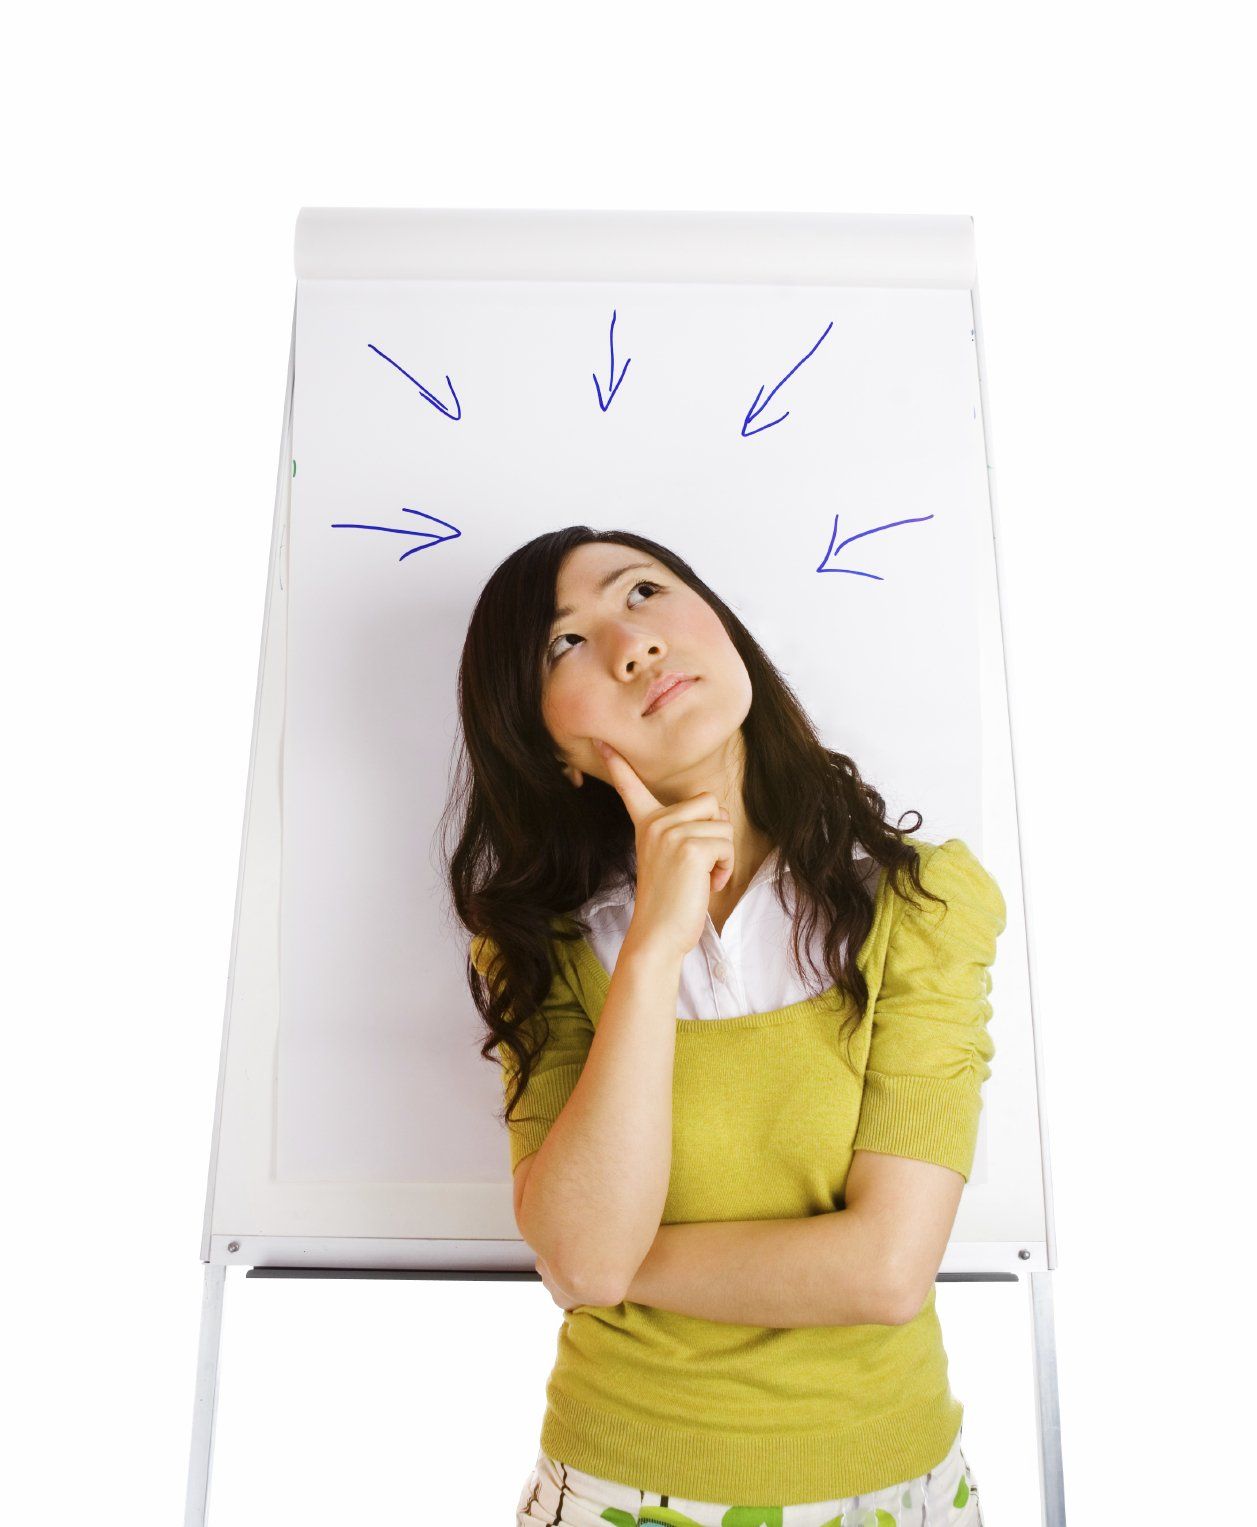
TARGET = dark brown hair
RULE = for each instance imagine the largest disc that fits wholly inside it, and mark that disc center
(531, 849)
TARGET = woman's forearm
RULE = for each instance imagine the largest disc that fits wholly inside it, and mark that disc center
(596, 1190)
(824, 1270)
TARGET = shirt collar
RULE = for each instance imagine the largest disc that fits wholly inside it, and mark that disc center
(620, 893)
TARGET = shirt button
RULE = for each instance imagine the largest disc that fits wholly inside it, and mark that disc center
(722, 972)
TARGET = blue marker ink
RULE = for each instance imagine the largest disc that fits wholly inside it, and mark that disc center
(432, 539)
(435, 401)
(753, 410)
(615, 385)
(834, 550)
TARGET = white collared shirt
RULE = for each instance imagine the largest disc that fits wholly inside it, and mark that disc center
(748, 967)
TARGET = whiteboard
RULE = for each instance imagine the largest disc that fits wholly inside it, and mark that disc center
(796, 406)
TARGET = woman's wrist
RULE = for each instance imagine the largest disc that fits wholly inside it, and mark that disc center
(648, 953)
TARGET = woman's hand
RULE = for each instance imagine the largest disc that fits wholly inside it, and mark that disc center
(684, 856)
(564, 1298)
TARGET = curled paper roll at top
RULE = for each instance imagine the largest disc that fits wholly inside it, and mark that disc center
(488, 244)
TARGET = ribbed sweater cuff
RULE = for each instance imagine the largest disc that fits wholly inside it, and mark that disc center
(925, 1117)
(538, 1109)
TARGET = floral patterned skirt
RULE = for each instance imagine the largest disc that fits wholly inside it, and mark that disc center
(556, 1495)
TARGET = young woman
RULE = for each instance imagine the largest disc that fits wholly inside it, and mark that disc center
(742, 1022)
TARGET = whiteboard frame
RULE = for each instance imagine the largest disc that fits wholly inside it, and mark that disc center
(250, 1218)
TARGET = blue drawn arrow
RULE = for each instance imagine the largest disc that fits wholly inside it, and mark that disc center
(431, 539)
(753, 410)
(614, 383)
(834, 550)
(431, 397)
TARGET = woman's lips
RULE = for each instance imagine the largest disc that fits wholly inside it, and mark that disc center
(671, 694)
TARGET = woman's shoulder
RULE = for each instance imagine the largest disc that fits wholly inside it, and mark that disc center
(952, 871)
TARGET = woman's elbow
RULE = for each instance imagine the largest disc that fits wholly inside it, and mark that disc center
(600, 1287)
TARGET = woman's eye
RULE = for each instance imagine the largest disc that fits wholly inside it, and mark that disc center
(556, 651)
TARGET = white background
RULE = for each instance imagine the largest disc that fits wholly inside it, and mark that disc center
(156, 159)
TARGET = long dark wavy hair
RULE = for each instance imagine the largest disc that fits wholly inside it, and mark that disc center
(531, 849)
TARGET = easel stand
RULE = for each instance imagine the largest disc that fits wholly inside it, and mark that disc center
(243, 1188)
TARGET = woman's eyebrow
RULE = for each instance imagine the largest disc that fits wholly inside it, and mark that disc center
(604, 583)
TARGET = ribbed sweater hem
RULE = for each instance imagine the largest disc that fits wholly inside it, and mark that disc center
(735, 1468)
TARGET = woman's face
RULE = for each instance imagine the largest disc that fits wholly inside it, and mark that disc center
(616, 641)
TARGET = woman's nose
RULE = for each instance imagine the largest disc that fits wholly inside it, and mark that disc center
(636, 647)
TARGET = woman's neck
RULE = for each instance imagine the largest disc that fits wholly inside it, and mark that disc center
(750, 853)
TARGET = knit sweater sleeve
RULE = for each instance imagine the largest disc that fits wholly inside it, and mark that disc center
(557, 1063)
(930, 1050)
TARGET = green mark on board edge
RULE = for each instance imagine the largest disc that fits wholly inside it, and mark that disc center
(294, 468)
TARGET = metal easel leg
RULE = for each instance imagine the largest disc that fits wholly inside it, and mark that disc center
(1046, 1401)
(205, 1401)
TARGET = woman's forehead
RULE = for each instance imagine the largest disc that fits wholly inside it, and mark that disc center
(611, 563)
